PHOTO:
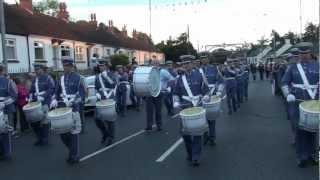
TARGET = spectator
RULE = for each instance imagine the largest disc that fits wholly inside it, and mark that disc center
(21, 101)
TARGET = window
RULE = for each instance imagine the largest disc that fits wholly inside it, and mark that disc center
(65, 51)
(79, 53)
(96, 52)
(38, 51)
(11, 49)
(108, 52)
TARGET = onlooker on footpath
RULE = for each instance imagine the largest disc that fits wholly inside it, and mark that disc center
(21, 101)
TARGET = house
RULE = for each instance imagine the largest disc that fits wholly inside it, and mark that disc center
(257, 55)
(34, 37)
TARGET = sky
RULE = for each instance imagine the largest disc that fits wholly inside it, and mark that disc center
(210, 21)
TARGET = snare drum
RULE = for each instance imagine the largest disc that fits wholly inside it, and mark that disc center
(61, 120)
(213, 108)
(33, 112)
(146, 81)
(309, 115)
(3, 124)
(194, 120)
(106, 110)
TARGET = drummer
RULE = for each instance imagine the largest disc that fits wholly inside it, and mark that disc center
(70, 90)
(214, 80)
(105, 83)
(184, 99)
(231, 85)
(305, 141)
(240, 83)
(8, 95)
(121, 91)
(42, 90)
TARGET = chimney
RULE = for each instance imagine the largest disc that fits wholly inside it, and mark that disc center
(27, 5)
(124, 31)
(93, 19)
(134, 34)
(110, 26)
(63, 14)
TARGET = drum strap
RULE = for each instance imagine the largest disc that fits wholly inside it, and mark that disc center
(312, 93)
(107, 95)
(105, 75)
(194, 100)
(205, 80)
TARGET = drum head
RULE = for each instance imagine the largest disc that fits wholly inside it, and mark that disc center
(192, 111)
(31, 105)
(59, 112)
(312, 106)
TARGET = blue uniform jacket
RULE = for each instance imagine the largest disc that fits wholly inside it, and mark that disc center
(8, 90)
(47, 85)
(74, 86)
(196, 84)
(230, 78)
(292, 75)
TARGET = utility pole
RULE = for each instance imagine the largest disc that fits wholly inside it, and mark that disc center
(150, 25)
(3, 32)
(300, 17)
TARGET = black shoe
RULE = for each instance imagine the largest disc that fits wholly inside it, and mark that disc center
(160, 129)
(73, 161)
(103, 139)
(195, 163)
(148, 129)
(5, 158)
(212, 142)
(110, 141)
(302, 163)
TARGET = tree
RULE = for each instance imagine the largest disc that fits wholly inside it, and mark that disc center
(119, 59)
(294, 38)
(311, 33)
(276, 40)
(49, 7)
(173, 49)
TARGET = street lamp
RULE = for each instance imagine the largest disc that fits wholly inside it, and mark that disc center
(3, 30)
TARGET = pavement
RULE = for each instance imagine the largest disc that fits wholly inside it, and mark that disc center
(252, 144)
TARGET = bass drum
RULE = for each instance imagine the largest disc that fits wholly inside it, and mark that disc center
(146, 81)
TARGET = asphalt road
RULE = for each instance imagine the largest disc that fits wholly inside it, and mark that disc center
(253, 144)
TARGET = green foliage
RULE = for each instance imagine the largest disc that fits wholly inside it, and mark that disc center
(119, 59)
(49, 7)
(173, 49)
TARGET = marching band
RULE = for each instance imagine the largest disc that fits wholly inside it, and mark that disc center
(193, 88)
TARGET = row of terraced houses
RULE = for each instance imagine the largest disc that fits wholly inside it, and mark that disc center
(35, 37)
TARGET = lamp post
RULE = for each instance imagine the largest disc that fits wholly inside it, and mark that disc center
(3, 30)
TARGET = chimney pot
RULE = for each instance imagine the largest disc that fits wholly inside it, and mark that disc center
(27, 5)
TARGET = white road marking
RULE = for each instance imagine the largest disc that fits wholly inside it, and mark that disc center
(112, 145)
(169, 151)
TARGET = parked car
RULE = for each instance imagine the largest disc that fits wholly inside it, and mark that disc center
(91, 98)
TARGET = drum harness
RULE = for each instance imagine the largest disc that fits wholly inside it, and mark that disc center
(193, 99)
(103, 88)
(38, 93)
(311, 89)
(211, 86)
(66, 97)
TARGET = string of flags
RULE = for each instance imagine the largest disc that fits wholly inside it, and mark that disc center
(175, 4)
